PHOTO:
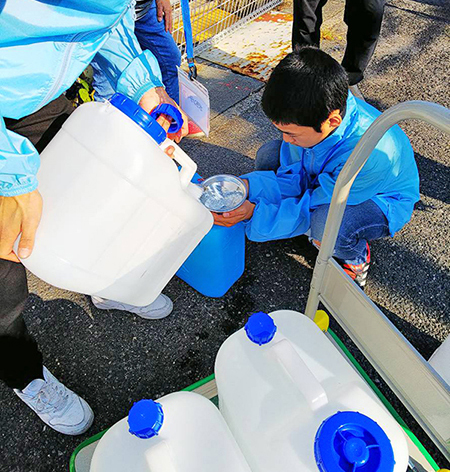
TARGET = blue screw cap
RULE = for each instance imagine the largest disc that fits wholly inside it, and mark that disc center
(145, 419)
(260, 328)
(139, 116)
(350, 442)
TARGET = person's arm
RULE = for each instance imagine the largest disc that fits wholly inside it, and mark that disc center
(276, 208)
(133, 72)
(129, 70)
(370, 182)
(20, 202)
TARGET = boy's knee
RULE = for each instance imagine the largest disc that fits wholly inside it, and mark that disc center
(318, 220)
(268, 156)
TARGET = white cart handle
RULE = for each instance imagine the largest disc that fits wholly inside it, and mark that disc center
(300, 374)
(188, 166)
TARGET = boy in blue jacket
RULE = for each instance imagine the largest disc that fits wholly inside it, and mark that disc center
(307, 99)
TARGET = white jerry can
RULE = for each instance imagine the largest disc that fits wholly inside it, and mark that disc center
(119, 218)
(294, 403)
(182, 432)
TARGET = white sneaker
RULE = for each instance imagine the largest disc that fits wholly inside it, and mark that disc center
(56, 405)
(160, 308)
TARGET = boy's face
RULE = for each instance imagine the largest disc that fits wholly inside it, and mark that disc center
(306, 136)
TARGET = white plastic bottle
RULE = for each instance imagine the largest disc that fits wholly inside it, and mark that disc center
(182, 432)
(119, 218)
(294, 403)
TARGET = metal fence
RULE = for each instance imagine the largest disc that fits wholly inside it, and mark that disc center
(213, 19)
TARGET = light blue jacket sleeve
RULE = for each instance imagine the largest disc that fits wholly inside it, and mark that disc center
(283, 207)
(19, 163)
(128, 69)
(369, 182)
(281, 211)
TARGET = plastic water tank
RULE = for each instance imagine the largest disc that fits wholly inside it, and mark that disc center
(119, 219)
(294, 403)
(218, 261)
(182, 432)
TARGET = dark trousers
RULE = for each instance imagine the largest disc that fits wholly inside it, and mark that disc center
(20, 358)
(363, 18)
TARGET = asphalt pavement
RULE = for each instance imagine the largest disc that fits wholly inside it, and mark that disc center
(113, 358)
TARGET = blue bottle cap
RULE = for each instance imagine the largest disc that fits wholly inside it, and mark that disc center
(145, 419)
(148, 122)
(350, 442)
(260, 328)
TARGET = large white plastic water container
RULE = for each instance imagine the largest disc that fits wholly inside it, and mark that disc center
(294, 403)
(119, 218)
(183, 432)
(440, 360)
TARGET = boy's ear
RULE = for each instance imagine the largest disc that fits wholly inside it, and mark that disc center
(334, 119)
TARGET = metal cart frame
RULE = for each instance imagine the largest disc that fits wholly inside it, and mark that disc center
(410, 377)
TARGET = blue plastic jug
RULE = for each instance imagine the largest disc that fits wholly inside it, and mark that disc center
(217, 262)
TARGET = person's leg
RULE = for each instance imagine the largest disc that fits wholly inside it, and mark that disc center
(363, 18)
(360, 224)
(268, 156)
(21, 365)
(152, 35)
(307, 23)
(20, 358)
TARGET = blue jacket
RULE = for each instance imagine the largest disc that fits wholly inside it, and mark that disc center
(284, 200)
(44, 47)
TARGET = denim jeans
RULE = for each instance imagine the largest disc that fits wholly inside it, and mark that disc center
(360, 224)
(151, 35)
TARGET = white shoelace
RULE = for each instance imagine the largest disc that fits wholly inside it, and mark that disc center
(51, 397)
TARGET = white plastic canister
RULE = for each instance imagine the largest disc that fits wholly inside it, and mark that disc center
(294, 403)
(183, 432)
(119, 218)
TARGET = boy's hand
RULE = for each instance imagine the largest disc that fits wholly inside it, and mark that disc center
(154, 97)
(244, 212)
(20, 214)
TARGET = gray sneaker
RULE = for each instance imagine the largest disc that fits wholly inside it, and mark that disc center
(56, 405)
(160, 308)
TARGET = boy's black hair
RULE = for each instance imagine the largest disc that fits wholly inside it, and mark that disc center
(304, 88)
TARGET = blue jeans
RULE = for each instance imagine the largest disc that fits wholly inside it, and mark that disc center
(360, 224)
(151, 35)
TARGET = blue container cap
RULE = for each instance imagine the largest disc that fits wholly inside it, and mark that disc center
(148, 121)
(260, 328)
(145, 419)
(351, 442)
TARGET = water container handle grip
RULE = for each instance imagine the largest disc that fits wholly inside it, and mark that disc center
(188, 166)
(300, 374)
(173, 112)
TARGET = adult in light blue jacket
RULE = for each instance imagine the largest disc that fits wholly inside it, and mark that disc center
(44, 46)
(307, 98)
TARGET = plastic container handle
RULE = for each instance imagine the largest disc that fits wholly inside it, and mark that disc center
(173, 112)
(188, 166)
(300, 374)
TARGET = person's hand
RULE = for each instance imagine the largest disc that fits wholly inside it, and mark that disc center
(164, 10)
(20, 214)
(244, 212)
(154, 97)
